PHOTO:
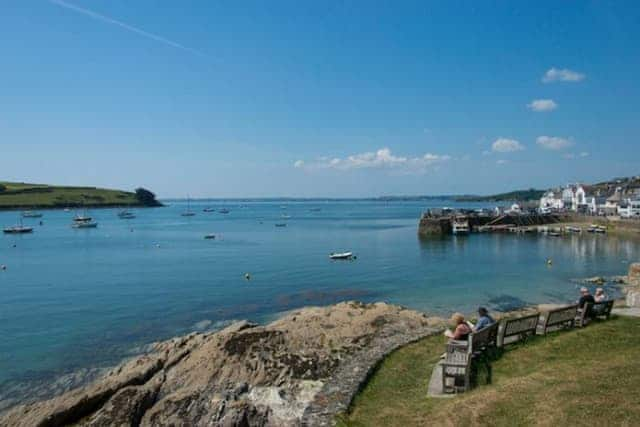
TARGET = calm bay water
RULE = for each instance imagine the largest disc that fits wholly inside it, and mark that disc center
(71, 299)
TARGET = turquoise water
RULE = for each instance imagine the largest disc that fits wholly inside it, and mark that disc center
(77, 298)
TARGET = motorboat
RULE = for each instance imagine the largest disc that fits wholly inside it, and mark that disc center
(595, 228)
(224, 211)
(285, 216)
(210, 236)
(281, 224)
(460, 227)
(341, 255)
(208, 210)
(572, 229)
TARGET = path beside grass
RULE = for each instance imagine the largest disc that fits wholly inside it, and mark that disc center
(587, 376)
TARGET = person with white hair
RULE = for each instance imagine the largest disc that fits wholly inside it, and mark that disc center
(600, 296)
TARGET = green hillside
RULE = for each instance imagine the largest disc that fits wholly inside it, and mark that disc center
(15, 195)
(518, 195)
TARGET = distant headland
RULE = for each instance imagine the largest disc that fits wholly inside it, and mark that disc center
(20, 195)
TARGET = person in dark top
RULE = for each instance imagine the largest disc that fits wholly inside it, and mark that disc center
(484, 319)
(586, 297)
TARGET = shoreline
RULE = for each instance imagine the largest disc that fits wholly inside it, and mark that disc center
(311, 356)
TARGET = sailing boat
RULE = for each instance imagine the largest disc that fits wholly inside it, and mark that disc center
(188, 212)
(126, 214)
(83, 221)
(18, 229)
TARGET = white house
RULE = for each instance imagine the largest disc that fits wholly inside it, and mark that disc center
(550, 202)
(629, 209)
(514, 209)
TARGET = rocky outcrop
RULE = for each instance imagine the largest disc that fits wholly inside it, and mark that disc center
(299, 370)
(633, 278)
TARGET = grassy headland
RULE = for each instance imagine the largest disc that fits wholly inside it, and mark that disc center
(588, 376)
(15, 195)
(518, 195)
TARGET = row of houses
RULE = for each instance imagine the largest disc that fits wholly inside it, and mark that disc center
(578, 198)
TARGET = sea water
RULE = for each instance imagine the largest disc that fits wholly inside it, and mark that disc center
(72, 299)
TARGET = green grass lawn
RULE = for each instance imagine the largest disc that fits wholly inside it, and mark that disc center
(587, 376)
(21, 195)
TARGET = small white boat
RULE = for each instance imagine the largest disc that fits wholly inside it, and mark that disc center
(572, 229)
(553, 234)
(285, 216)
(224, 211)
(208, 210)
(595, 228)
(82, 218)
(460, 227)
(31, 214)
(341, 255)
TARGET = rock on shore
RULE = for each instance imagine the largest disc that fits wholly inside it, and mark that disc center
(299, 370)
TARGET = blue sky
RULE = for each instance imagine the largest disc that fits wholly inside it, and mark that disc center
(292, 98)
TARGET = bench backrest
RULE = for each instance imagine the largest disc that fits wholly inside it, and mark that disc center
(602, 309)
(457, 353)
(563, 315)
(518, 327)
(483, 338)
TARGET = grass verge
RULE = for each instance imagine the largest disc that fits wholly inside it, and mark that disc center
(587, 376)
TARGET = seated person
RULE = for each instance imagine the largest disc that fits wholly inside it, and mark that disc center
(462, 329)
(585, 298)
(484, 319)
(600, 296)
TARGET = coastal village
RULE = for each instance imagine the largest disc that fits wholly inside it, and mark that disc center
(601, 205)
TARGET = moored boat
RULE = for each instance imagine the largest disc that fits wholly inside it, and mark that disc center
(31, 214)
(85, 224)
(341, 255)
(224, 211)
(125, 214)
(18, 229)
(460, 227)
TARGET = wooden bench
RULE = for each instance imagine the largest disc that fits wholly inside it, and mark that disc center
(593, 311)
(602, 309)
(517, 329)
(460, 356)
(558, 318)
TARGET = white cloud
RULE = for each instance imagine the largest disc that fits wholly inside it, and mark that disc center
(381, 159)
(506, 145)
(542, 105)
(298, 164)
(553, 142)
(562, 75)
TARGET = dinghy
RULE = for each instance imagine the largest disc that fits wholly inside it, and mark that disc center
(341, 255)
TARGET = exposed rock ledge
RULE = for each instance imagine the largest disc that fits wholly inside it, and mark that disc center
(299, 370)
